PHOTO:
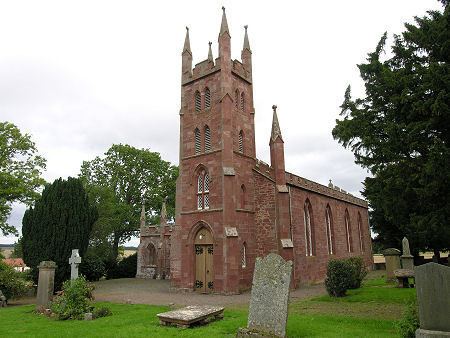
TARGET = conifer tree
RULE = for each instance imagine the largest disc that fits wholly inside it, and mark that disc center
(60, 221)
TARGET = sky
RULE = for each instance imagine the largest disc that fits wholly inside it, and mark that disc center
(81, 76)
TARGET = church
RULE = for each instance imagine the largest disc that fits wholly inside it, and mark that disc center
(232, 207)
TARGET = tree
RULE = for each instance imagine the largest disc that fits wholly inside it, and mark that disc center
(17, 252)
(401, 132)
(60, 221)
(120, 182)
(20, 172)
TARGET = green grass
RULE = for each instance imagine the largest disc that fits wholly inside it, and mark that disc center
(368, 312)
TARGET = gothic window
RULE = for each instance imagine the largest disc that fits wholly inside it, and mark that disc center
(329, 230)
(151, 252)
(207, 139)
(207, 98)
(198, 141)
(236, 99)
(348, 232)
(241, 142)
(198, 101)
(309, 230)
(242, 197)
(242, 101)
(244, 255)
(203, 190)
(361, 239)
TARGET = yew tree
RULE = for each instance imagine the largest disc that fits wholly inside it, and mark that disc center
(119, 182)
(400, 132)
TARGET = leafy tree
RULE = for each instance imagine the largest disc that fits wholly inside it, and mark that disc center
(60, 221)
(20, 172)
(119, 183)
(401, 132)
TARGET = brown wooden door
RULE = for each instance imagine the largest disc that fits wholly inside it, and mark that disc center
(204, 280)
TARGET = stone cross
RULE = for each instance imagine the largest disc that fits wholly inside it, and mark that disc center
(433, 297)
(268, 310)
(74, 261)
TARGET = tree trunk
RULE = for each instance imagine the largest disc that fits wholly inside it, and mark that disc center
(436, 255)
(115, 248)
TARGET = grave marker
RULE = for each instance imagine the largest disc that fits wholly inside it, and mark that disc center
(74, 261)
(46, 283)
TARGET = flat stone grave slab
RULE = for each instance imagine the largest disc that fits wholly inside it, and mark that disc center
(190, 315)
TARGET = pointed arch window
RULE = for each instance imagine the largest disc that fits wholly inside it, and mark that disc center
(198, 141)
(198, 101)
(236, 99)
(207, 139)
(207, 98)
(309, 230)
(329, 230)
(241, 142)
(244, 255)
(242, 101)
(203, 190)
(348, 232)
(361, 239)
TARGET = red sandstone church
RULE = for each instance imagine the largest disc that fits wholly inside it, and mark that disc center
(231, 207)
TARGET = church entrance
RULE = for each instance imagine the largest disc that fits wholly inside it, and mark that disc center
(204, 252)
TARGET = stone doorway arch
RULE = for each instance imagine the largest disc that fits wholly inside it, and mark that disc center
(204, 253)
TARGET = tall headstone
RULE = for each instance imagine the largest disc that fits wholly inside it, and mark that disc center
(74, 261)
(407, 258)
(433, 296)
(46, 283)
(392, 257)
(268, 310)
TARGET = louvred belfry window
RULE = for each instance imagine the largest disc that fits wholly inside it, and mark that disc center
(241, 141)
(236, 99)
(207, 98)
(198, 141)
(198, 101)
(207, 139)
(242, 102)
(203, 190)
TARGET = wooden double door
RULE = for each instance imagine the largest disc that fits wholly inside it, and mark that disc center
(204, 253)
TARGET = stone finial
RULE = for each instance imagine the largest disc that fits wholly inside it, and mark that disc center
(210, 55)
(330, 184)
(405, 247)
(143, 216)
(163, 220)
(187, 42)
(246, 43)
(276, 131)
(224, 24)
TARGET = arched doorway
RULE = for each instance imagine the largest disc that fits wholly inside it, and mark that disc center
(204, 251)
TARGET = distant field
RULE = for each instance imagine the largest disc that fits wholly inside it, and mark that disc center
(7, 250)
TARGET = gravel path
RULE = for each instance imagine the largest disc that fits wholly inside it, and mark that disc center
(157, 292)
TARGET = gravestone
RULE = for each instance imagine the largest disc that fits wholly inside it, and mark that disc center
(191, 315)
(392, 257)
(433, 297)
(45, 284)
(74, 261)
(407, 258)
(268, 310)
(2, 299)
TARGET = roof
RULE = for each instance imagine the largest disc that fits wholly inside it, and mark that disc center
(14, 262)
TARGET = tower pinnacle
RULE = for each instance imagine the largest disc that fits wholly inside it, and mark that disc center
(187, 42)
(224, 24)
(210, 55)
(276, 131)
(246, 43)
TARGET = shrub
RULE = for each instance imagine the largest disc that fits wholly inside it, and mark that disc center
(74, 301)
(102, 312)
(92, 267)
(126, 268)
(339, 277)
(409, 323)
(359, 271)
(12, 283)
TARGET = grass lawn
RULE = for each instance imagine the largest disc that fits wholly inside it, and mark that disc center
(367, 312)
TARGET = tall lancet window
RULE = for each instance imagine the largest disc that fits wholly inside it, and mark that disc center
(203, 190)
(361, 239)
(244, 255)
(309, 230)
(198, 101)
(329, 230)
(348, 232)
(242, 101)
(207, 139)
(236, 99)
(241, 142)
(198, 141)
(207, 98)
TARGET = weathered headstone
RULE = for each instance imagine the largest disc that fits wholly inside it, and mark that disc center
(88, 316)
(46, 283)
(2, 299)
(74, 261)
(433, 296)
(407, 258)
(268, 310)
(392, 257)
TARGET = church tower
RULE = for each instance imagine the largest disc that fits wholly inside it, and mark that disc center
(215, 188)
